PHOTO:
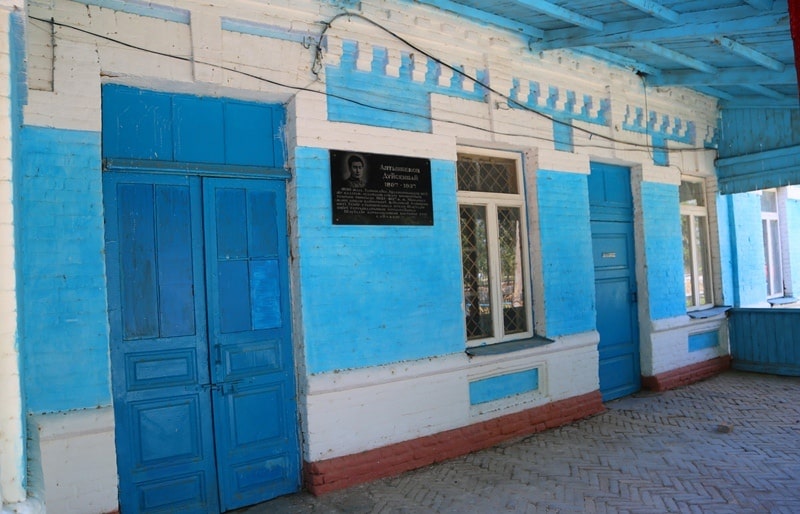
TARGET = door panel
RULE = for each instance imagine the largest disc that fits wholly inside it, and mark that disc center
(204, 394)
(615, 280)
(159, 352)
(254, 398)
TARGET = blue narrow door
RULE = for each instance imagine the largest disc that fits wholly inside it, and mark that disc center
(204, 393)
(250, 336)
(615, 280)
(159, 351)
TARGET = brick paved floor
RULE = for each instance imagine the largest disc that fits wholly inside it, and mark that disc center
(730, 444)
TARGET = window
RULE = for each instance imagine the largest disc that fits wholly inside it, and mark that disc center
(494, 246)
(696, 250)
(772, 243)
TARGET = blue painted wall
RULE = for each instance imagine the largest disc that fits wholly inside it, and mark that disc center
(566, 240)
(747, 247)
(63, 324)
(663, 249)
(725, 252)
(375, 295)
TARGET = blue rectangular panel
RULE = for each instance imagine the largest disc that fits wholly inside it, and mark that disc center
(198, 127)
(182, 494)
(248, 359)
(234, 296)
(267, 401)
(138, 255)
(503, 386)
(265, 291)
(263, 233)
(137, 124)
(703, 341)
(231, 218)
(175, 278)
(255, 474)
(148, 370)
(167, 430)
(250, 134)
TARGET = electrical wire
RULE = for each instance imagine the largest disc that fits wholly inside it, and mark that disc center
(633, 146)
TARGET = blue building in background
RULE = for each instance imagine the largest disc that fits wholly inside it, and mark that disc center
(246, 250)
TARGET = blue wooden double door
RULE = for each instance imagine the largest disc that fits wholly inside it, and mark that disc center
(202, 372)
(611, 211)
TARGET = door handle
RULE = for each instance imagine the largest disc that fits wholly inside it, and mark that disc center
(634, 297)
(225, 388)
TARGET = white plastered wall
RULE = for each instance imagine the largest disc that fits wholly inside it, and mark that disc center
(12, 470)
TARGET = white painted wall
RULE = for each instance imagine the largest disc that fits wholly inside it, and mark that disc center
(12, 471)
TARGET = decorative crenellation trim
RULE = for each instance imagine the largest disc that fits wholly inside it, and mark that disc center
(362, 57)
(561, 102)
(663, 126)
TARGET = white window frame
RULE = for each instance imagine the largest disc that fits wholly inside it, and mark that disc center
(491, 202)
(772, 260)
(694, 212)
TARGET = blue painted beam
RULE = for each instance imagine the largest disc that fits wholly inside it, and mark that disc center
(711, 91)
(732, 76)
(759, 102)
(748, 53)
(619, 60)
(712, 23)
(762, 90)
(563, 14)
(666, 53)
(761, 5)
(484, 17)
(654, 9)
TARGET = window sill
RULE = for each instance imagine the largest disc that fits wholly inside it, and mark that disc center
(709, 313)
(784, 300)
(508, 346)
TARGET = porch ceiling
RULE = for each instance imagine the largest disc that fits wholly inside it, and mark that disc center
(739, 51)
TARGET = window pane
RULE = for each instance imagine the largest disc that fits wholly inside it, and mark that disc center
(688, 264)
(703, 284)
(776, 280)
(769, 201)
(487, 175)
(475, 265)
(510, 242)
(691, 193)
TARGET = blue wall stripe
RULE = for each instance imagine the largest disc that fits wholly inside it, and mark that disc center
(703, 340)
(503, 386)
(143, 8)
(63, 319)
(376, 295)
(663, 250)
(567, 263)
(264, 30)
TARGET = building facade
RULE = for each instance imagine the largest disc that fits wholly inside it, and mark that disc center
(250, 248)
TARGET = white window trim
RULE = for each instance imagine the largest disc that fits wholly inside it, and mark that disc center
(694, 212)
(492, 201)
(784, 259)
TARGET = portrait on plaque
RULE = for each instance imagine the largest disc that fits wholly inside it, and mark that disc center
(376, 189)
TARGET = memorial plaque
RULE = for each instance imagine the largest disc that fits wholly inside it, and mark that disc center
(373, 189)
